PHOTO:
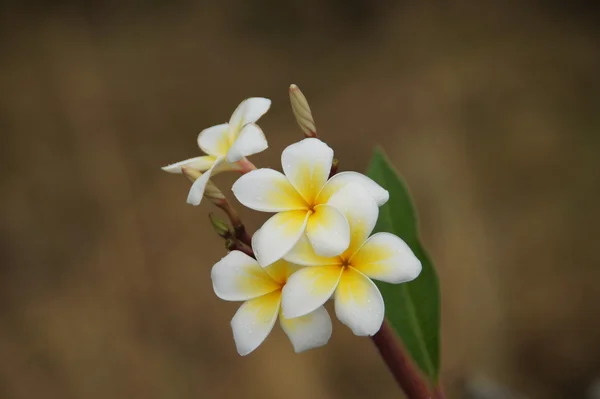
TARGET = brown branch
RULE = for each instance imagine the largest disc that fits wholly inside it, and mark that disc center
(235, 245)
(238, 227)
(216, 197)
(242, 234)
(400, 364)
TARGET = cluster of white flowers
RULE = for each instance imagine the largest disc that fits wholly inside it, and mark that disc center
(317, 246)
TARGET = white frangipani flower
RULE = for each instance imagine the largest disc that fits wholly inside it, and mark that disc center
(358, 302)
(238, 277)
(300, 196)
(226, 144)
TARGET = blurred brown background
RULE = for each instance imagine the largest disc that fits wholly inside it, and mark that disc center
(490, 110)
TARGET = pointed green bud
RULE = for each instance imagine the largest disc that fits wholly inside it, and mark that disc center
(220, 226)
(230, 244)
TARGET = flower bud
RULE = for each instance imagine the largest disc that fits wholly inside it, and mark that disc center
(210, 191)
(302, 112)
(220, 226)
(213, 193)
(230, 244)
(191, 174)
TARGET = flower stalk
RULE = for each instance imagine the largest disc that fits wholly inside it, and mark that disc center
(235, 245)
(218, 198)
(238, 227)
(400, 364)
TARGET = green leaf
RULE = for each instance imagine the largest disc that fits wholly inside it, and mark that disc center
(413, 309)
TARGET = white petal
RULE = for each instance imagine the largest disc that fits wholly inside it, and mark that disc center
(309, 288)
(379, 194)
(386, 257)
(328, 231)
(227, 167)
(215, 140)
(238, 277)
(254, 320)
(199, 163)
(309, 331)
(361, 212)
(278, 235)
(197, 190)
(251, 140)
(307, 165)
(303, 254)
(267, 190)
(358, 303)
(249, 111)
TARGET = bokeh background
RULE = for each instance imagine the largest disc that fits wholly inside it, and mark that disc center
(491, 110)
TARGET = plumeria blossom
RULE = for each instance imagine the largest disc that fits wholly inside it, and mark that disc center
(347, 277)
(226, 145)
(238, 277)
(301, 196)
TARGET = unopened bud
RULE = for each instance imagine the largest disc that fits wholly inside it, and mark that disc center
(191, 174)
(210, 191)
(213, 193)
(302, 112)
(230, 244)
(220, 226)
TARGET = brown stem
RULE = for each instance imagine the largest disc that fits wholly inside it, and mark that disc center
(235, 245)
(242, 234)
(239, 228)
(399, 363)
(216, 197)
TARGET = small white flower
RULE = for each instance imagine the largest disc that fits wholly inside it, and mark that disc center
(301, 197)
(238, 277)
(226, 144)
(358, 302)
